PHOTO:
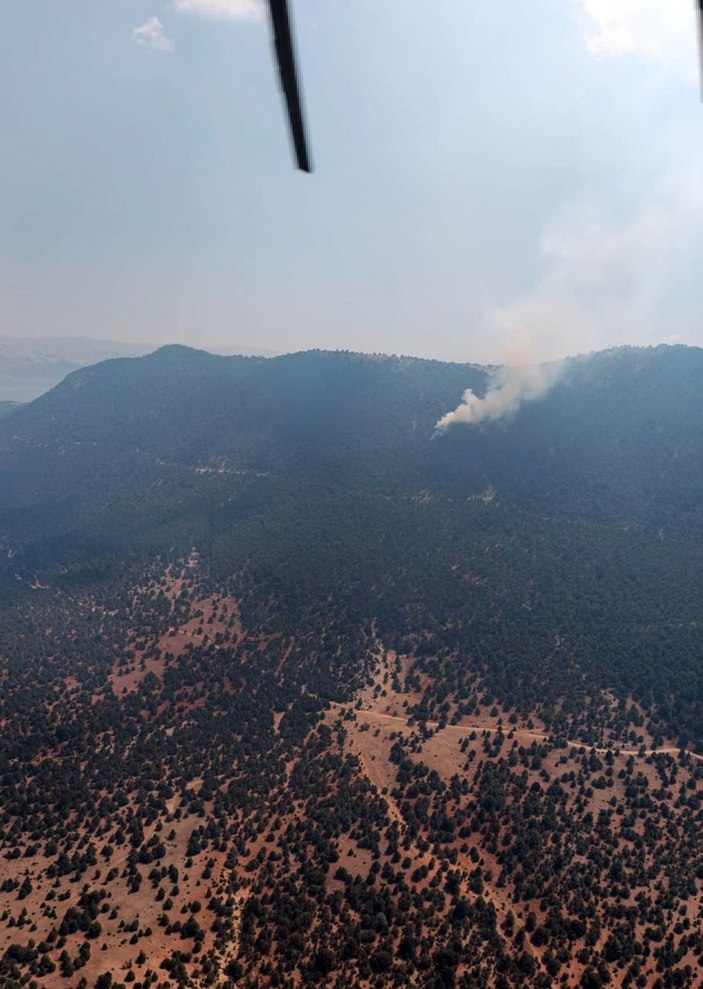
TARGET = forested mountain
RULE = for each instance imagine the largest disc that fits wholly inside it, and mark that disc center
(407, 708)
(6, 407)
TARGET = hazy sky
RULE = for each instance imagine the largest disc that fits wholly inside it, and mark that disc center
(491, 175)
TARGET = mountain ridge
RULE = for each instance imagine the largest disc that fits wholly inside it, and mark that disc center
(31, 366)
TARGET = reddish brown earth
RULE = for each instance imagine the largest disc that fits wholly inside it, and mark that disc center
(580, 809)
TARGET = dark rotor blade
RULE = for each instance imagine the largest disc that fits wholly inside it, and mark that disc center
(283, 41)
(700, 43)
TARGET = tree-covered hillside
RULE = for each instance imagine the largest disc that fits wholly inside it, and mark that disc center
(579, 517)
(600, 443)
(298, 691)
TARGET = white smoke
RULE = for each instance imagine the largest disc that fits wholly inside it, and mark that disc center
(606, 280)
(511, 386)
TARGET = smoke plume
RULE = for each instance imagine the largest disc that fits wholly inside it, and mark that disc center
(511, 386)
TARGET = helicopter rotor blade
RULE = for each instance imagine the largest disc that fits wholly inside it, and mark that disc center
(285, 55)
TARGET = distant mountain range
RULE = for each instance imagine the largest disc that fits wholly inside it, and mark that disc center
(31, 366)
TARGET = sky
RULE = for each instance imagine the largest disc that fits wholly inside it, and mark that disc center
(494, 179)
